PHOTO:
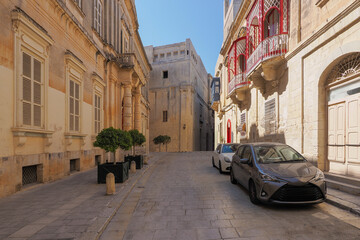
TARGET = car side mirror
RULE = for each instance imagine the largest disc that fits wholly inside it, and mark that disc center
(244, 161)
(218, 151)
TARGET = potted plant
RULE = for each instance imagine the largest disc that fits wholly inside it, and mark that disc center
(158, 141)
(110, 139)
(137, 140)
(166, 140)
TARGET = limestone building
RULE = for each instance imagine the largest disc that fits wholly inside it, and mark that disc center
(179, 95)
(290, 72)
(69, 68)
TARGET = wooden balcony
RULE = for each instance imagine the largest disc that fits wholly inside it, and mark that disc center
(238, 83)
(269, 54)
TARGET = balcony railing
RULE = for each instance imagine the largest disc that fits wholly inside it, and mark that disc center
(126, 60)
(271, 47)
(237, 82)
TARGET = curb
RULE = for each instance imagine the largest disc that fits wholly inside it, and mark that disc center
(126, 194)
(337, 202)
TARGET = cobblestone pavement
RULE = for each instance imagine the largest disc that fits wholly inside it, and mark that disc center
(184, 197)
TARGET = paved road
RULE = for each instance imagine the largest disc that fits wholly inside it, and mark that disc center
(177, 196)
(184, 197)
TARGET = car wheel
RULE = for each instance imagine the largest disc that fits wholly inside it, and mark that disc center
(220, 169)
(213, 163)
(232, 178)
(252, 193)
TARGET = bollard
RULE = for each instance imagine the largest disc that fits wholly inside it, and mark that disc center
(133, 167)
(110, 184)
(146, 158)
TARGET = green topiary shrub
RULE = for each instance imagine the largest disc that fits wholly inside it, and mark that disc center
(158, 140)
(137, 139)
(108, 139)
(125, 140)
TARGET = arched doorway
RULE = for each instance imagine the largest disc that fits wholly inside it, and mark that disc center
(228, 134)
(343, 116)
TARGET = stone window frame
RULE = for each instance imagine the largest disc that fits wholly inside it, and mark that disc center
(74, 71)
(99, 90)
(32, 39)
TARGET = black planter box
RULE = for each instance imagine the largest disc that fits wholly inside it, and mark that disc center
(139, 160)
(120, 171)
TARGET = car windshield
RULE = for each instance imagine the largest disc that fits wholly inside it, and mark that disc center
(276, 154)
(229, 148)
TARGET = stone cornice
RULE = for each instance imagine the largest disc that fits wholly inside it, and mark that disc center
(323, 29)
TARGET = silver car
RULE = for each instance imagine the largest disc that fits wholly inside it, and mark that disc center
(221, 159)
(276, 173)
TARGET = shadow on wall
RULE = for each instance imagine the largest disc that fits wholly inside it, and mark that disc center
(254, 136)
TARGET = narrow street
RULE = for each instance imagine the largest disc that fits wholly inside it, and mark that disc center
(184, 197)
(177, 196)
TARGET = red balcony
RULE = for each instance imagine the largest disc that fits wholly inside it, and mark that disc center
(237, 81)
(267, 36)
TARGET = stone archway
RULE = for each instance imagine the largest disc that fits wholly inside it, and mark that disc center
(339, 110)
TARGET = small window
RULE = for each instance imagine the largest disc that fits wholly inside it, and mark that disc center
(175, 53)
(168, 55)
(165, 74)
(165, 116)
(98, 16)
(182, 52)
(270, 117)
(162, 55)
(156, 57)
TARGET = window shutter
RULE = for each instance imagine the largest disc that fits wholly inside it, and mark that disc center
(270, 115)
(26, 113)
(26, 89)
(37, 71)
(95, 12)
(37, 115)
(26, 65)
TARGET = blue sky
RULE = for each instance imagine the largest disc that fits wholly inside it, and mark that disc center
(165, 22)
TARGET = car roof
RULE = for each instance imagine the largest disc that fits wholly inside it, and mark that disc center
(265, 144)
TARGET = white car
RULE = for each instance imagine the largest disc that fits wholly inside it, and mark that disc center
(223, 155)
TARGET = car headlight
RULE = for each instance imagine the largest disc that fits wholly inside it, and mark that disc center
(266, 177)
(227, 160)
(319, 175)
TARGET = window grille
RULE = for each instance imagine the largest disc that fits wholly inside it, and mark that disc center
(74, 165)
(29, 174)
(31, 91)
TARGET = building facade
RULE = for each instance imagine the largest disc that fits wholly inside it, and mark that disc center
(69, 69)
(290, 72)
(179, 95)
